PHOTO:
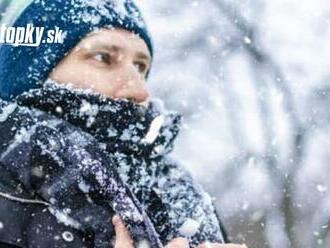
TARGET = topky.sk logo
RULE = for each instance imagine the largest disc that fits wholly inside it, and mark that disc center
(29, 35)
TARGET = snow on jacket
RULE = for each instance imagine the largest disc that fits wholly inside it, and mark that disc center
(71, 158)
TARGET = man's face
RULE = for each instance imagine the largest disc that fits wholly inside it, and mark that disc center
(112, 62)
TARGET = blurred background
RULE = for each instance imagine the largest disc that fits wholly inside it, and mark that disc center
(252, 81)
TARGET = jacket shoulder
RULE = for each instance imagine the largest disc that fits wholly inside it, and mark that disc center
(190, 208)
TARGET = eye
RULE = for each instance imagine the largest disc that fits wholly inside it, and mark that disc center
(103, 58)
(141, 66)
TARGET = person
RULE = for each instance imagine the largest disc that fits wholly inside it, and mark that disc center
(84, 151)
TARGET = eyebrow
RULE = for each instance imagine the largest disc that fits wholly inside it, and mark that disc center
(116, 48)
(112, 48)
(142, 55)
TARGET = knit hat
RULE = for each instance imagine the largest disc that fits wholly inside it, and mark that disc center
(25, 67)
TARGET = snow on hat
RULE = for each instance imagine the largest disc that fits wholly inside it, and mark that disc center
(25, 67)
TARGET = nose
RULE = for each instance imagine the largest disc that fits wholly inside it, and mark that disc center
(133, 86)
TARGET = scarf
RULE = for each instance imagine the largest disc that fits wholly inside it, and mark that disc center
(119, 124)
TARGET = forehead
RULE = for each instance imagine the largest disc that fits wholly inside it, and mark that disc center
(116, 37)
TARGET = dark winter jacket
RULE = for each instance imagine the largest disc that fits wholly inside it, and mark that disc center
(70, 159)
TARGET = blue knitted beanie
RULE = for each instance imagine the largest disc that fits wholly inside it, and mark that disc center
(25, 67)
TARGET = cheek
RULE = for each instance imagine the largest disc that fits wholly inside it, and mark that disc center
(86, 76)
(101, 81)
(68, 71)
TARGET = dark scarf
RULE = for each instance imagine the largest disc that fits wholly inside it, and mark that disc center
(122, 126)
(118, 123)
